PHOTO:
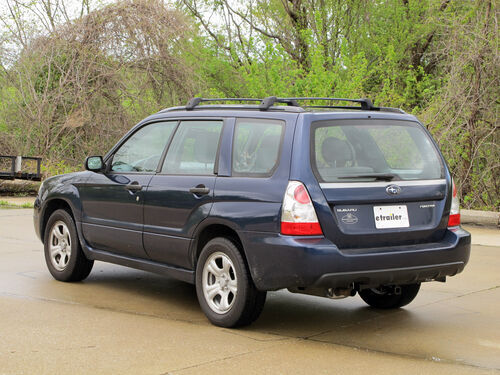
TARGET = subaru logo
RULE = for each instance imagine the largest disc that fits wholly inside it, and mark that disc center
(393, 189)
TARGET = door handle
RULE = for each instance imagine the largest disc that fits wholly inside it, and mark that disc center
(199, 190)
(133, 186)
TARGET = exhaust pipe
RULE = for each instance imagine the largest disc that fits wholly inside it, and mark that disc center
(333, 293)
(340, 292)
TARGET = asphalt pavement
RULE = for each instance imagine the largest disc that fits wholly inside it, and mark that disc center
(123, 321)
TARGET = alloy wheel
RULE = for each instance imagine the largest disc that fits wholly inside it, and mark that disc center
(60, 245)
(219, 282)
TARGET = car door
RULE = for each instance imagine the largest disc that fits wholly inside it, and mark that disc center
(113, 201)
(181, 194)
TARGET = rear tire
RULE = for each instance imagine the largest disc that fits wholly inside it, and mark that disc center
(381, 298)
(63, 253)
(224, 286)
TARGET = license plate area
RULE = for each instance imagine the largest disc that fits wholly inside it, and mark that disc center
(391, 216)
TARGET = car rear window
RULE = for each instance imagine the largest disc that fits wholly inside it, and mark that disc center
(369, 150)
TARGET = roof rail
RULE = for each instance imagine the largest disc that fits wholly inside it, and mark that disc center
(366, 104)
(270, 101)
(196, 101)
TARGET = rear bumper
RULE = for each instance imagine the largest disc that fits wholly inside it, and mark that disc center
(278, 261)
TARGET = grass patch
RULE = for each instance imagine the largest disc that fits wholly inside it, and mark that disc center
(7, 204)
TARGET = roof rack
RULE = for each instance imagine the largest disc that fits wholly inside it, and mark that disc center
(270, 101)
(194, 102)
(366, 104)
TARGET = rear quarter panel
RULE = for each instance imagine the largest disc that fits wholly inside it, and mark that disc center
(252, 205)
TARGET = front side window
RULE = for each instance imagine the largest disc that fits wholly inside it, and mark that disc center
(193, 150)
(256, 146)
(142, 151)
(368, 150)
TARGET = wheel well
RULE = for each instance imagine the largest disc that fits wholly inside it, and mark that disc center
(53, 206)
(213, 231)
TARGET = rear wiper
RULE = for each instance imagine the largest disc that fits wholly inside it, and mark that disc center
(377, 176)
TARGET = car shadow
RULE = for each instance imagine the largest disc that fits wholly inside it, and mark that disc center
(143, 293)
(304, 316)
(285, 313)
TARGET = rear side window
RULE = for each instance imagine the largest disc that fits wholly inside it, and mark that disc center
(256, 147)
(193, 149)
(367, 150)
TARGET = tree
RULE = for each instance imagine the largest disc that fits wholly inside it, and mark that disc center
(75, 87)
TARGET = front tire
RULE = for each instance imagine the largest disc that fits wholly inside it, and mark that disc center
(386, 298)
(63, 253)
(225, 289)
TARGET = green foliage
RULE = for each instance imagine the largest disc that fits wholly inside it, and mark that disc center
(7, 204)
(75, 90)
(53, 168)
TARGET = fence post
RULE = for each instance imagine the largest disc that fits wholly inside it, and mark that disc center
(18, 167)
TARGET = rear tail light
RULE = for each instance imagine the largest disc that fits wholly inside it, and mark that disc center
(454, 219)
(298, 216)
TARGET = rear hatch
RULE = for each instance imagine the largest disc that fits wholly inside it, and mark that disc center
(383, 180)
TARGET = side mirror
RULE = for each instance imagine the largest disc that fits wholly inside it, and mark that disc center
(94, 163)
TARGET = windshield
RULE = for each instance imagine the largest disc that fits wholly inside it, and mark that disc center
(371, 150)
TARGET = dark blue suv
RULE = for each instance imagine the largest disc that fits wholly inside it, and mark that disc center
(238, 199)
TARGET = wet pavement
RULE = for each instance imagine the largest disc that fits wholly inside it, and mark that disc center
(125, 321)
